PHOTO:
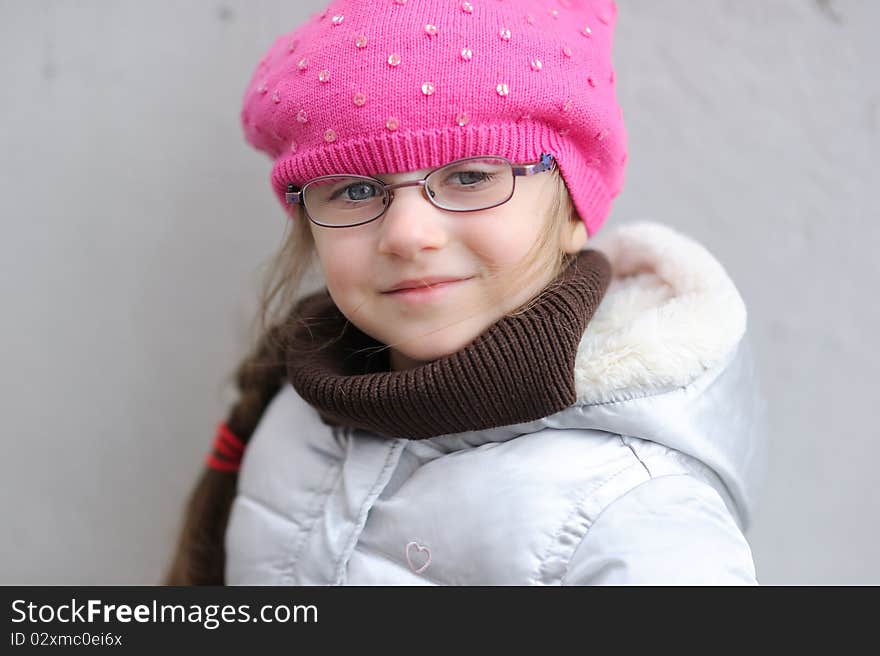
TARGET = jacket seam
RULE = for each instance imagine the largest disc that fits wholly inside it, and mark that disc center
(611, 503)
(268, 508)
(630, 447)
(363, 511)
(578, 507)
(321, 498)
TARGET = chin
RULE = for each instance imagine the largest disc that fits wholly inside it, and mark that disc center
(438, 344)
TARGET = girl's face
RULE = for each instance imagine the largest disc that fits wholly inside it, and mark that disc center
(416, 241)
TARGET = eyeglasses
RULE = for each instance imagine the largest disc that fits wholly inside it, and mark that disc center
(465, 185)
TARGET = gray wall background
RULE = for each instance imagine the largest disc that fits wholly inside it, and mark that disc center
(135, 221)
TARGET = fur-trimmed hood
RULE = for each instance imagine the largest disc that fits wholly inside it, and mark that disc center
(671, 312)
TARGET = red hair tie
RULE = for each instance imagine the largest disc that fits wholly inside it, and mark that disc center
(227, 450)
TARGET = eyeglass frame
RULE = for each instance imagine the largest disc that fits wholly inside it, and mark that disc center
(546, 163)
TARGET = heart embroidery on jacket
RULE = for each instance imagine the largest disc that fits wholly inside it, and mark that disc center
(416, 548)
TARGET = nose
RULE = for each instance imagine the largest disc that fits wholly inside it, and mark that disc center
(411, 224)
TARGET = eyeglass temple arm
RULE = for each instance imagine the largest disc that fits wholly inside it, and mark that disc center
(546, 163)
(293, 197)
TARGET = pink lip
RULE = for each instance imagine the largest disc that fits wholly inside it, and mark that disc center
(421, 283)
(427, 289)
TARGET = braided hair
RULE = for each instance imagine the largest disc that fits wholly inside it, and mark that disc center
(199, 557)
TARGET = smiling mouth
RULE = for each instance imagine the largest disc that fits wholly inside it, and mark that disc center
(425, 284)
(425, 292)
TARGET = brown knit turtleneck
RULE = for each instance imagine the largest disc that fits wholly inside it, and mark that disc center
(520, 369)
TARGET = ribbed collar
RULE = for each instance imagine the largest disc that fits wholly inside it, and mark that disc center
(520, 369)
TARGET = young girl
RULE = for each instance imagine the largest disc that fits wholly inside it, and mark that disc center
(480, 395)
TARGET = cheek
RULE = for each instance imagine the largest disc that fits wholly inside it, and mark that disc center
(505, 240)
(345, 265)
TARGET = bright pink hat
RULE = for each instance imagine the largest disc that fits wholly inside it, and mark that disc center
(389, 86)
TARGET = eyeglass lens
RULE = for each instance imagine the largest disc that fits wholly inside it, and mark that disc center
(463, 186)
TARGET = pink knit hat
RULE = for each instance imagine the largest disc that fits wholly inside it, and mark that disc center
(389, 86)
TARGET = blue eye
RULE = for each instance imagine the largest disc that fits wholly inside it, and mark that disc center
(470, 178)
(356, 191)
